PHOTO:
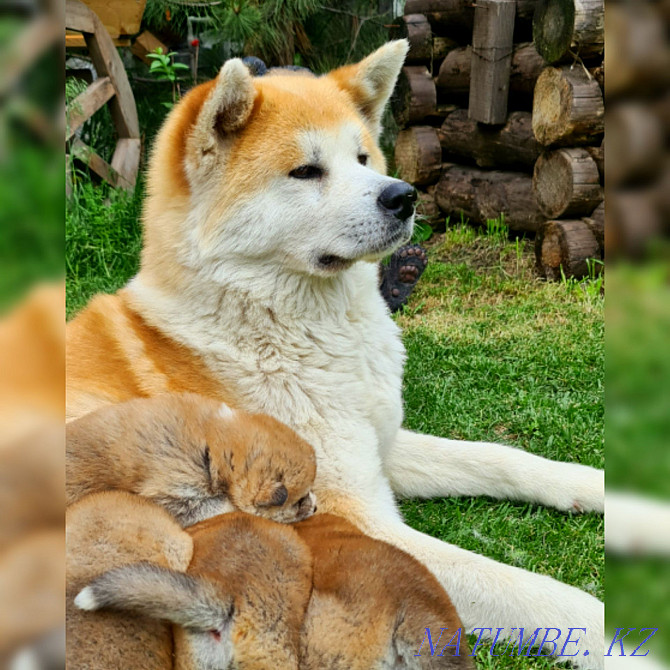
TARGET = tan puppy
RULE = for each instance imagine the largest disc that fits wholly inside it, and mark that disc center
(240, 604)
(194, 456)
(371, 605)
(103, 531)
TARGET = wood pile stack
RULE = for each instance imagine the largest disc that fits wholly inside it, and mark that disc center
(638, 126)
(500, 108)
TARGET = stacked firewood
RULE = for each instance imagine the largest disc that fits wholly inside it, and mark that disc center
(638, 126)
(501, 112)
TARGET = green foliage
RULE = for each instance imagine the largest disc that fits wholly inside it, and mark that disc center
(102, 240)
(422, 231)
(163, 66)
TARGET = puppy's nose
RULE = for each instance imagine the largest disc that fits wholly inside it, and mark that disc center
(398, 199)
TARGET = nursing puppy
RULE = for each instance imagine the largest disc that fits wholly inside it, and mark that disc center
(194, 456)
(267, 211)
(372, 605)
(235, 589)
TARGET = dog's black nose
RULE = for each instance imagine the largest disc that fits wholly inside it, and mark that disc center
(398, 199)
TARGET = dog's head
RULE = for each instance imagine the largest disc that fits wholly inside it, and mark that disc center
(283, 169)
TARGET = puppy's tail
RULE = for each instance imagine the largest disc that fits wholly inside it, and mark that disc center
(159, 593)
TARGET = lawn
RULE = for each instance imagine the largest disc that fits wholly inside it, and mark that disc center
(494, 354)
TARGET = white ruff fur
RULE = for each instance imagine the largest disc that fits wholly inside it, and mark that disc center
(318, 350)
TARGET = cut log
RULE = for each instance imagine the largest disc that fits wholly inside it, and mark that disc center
(634, 221)
(414, 96)
(428, 211)
(563, 248)
(453, 17)
(418, 155)
(637, 58)
(598, 155)
(635, 144)
(567, 183)
(442, 46)
(596, 222)
(567, 108)
(512, 145)
(482, 195)
(492, 42)
(416, 29)
(454, 73)
(563, 29)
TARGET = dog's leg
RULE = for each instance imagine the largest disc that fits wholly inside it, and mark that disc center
(426, 466)
(492, 595)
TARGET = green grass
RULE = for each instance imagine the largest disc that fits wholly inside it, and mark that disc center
(494, 354)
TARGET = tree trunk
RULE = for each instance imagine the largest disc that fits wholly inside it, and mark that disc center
(510, 146)
(598, 155)
(418, 155)
(454, 74)
(414, 96)
(483, 195)
(566, 246)
(563, 29)
(566, 183)
(567, 108)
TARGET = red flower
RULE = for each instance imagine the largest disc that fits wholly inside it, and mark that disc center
(195, 42)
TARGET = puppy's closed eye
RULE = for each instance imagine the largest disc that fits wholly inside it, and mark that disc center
(277, 498)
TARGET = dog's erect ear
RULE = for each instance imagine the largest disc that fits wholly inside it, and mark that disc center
(370, 82)
(228, 106)
(159, 593)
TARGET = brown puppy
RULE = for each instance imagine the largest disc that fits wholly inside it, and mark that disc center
(371, 606)
(104, 531)
(239, 605)
(194, 456)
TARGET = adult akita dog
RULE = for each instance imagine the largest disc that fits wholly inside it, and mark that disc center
(267, 210)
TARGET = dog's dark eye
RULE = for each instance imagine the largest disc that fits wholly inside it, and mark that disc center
(363, 159)
(306, 172)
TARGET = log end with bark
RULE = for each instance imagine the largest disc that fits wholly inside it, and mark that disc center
(565, 248)
(414, 96)
(567, 183)
(418, 155)
(568, 107)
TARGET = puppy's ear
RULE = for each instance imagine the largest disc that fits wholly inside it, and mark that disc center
(370, 82)
(272, 496)
(159, 593)
(228, 106)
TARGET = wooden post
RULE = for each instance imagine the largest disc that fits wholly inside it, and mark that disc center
(492, 45)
